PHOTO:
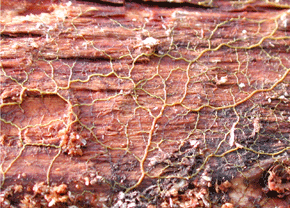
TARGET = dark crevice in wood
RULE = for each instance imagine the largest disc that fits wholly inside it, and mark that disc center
(116, 3)
(168, 5)
(7, 35)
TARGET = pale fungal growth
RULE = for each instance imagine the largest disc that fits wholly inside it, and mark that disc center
(284, 19)
(242, 85)
(150, 42)
(194, 143)
(206, 178)
(232, 135)
(87, 181)
(147, 45)
(222, 80)
(283, 98)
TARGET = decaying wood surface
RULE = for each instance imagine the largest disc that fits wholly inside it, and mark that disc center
(122, 104)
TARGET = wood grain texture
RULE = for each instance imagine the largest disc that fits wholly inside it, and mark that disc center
(121, 104)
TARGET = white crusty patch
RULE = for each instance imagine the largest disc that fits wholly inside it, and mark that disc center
(285, 19)
(150, 42)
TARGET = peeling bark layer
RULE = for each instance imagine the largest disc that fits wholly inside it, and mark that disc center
(122, 104)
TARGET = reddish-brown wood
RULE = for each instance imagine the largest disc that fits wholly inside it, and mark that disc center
(122, 104)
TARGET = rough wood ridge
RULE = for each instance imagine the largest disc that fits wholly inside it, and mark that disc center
(154, 104)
